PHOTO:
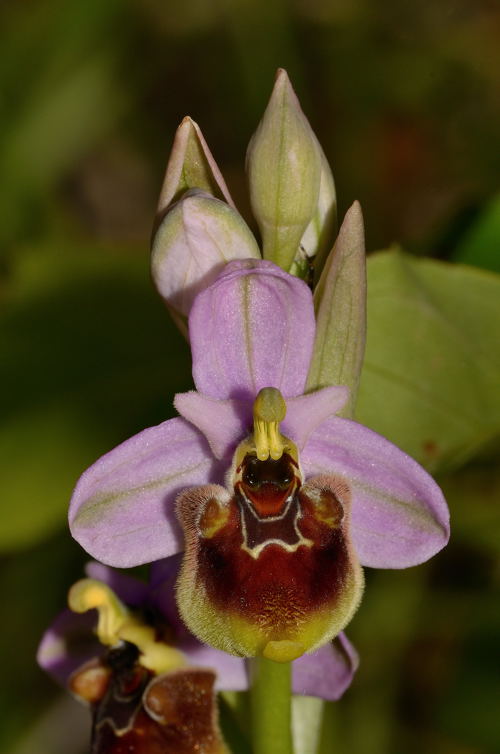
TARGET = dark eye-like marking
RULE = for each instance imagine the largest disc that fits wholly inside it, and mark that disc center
(256, 473)
(249, 476)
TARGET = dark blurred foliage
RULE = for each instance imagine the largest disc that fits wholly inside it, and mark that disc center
(404, 99)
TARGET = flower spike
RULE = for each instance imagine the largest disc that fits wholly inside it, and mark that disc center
(275, 555)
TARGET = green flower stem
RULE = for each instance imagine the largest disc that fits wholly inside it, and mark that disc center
(271, 707)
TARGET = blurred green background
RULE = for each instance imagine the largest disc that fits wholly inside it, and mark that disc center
(404, 97)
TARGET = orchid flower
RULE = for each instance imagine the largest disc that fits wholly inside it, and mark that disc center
(71, 640)
(147, 684)
(71, 643)
(322, 494)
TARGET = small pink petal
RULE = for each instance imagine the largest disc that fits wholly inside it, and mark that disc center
(306, 412)
(224, 423)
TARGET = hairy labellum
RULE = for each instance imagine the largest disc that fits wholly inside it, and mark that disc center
(269, 569)
(136, 712)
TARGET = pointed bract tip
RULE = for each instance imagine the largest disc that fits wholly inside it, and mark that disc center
(355, 210)
(353, 227)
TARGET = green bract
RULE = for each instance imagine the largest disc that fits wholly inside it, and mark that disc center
(340, 305)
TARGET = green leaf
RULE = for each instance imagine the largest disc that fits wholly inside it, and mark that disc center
(432, 367)
(59, 81)
(480, 246)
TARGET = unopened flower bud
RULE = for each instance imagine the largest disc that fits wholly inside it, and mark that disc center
(284, 168)
(190, 165)
(196, 238)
